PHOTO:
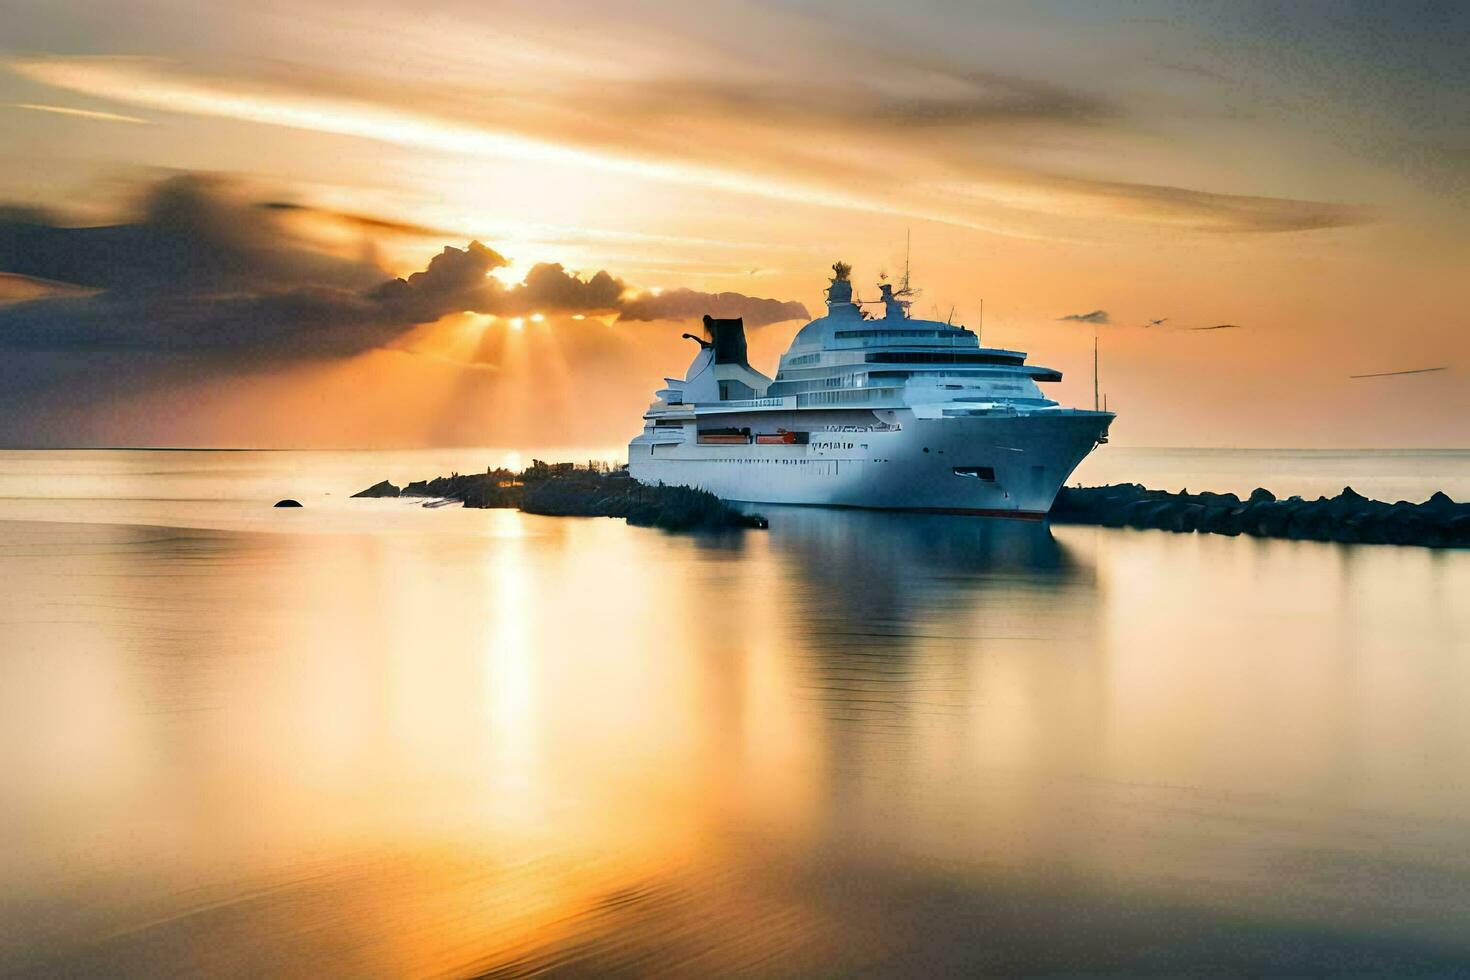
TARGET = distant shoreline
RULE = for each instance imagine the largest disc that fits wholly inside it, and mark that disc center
(168, 449)
(1376, 450)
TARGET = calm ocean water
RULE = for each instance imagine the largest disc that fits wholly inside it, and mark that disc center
(373, 739)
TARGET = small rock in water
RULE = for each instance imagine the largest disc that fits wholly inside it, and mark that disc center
(288, 502)
(383, 489)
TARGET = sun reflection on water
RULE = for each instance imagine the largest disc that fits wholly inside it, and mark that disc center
(449, 741)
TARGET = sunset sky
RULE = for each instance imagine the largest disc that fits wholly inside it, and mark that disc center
(203, 207)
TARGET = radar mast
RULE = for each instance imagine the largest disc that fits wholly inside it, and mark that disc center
(896, 302)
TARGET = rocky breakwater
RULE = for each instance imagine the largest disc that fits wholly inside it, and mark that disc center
(565, 490)
(1349, 517)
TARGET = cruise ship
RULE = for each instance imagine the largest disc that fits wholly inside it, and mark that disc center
(884, 412)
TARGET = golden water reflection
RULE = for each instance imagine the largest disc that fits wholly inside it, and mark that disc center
(856, 742)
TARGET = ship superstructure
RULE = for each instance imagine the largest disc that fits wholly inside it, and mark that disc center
(890, 412)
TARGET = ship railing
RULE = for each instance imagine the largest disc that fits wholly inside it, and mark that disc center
(811, 399)
(776, 402)
(848, 396)
(917, 338)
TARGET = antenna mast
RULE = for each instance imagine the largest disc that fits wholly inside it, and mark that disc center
(906, 293)
(908, 236)
(1094, 367)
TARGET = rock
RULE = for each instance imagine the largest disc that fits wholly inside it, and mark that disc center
(670, 508)
(1139, 513)
(384, 489)
(563, 490)
(1348, 517)
(1184, 518)
(1274, 520)
(1345, 505)
(1442, 502)
(1217, 520)
(288, 502)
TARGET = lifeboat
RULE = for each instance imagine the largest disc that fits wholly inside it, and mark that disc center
(724, 437)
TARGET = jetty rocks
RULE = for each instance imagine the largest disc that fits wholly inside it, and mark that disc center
(566, 490)
(383, 489)
(1349, 517)
(670, 508)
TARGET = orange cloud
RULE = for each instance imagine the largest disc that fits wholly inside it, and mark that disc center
(752, 138)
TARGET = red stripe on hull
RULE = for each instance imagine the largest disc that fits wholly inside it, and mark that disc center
(1015, 515)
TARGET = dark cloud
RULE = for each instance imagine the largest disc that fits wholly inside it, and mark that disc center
(375, 224)
(191, 234)
(285, 323)
(990, 98)
(1206, 210)
(200, 269)
(971, 99)
(197, 267)
(16, 287)
(682, 304)
(455, 279)
(551, 288)
(1398, 374)
(1096, 316)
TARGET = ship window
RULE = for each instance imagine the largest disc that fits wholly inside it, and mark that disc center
(986, 473)
(941, 357)
(881, 334)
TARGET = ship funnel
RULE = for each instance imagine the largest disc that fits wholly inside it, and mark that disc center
(839, 293)
(729, 340)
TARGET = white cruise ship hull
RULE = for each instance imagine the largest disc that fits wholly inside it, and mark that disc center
(997, 465)
(893, 413)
